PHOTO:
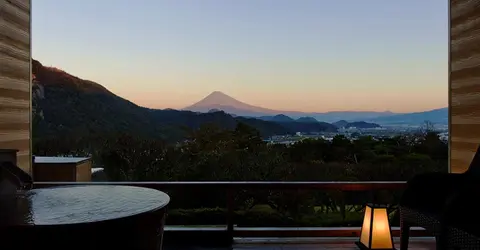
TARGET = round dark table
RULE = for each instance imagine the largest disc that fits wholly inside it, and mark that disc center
(87, 217)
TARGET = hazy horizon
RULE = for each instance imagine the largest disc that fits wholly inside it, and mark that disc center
(309, 55)
(289, 111)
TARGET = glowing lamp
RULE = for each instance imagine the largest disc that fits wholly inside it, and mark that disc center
(376, 233)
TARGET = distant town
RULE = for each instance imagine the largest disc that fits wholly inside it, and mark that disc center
(355, 133)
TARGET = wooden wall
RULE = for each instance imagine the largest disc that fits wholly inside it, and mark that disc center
(55, 172)
(464, 82)
(63, 171)
(15, 75)
(84, 171)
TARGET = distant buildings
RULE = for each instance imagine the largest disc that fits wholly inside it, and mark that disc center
(353, 133)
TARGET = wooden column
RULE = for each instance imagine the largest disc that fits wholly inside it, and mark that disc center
(464, 82)
(15, 79)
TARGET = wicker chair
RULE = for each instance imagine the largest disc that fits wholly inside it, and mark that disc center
(443, 204)
(461, 220)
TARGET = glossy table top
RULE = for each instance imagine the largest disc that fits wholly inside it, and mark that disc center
(85, 204)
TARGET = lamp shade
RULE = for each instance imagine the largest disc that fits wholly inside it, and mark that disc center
(376, 233)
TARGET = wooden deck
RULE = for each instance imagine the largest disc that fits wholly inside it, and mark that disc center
(424, 243)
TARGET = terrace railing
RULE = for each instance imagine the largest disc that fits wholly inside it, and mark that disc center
(231, 187)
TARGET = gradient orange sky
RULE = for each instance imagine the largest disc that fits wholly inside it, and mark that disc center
(309, 55)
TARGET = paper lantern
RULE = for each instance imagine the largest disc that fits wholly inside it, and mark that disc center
(376, 233)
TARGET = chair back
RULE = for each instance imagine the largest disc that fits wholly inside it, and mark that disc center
(11, 173)
(15, 175)
(474, 168)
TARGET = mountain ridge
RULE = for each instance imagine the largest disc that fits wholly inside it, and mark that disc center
(65, 105)
(220, 101)
(213, 99)
(436, 116)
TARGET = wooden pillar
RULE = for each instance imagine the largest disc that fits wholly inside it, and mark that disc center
(15, 79)
(464, 82)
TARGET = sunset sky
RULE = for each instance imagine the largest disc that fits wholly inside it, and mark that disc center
(302, 55)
